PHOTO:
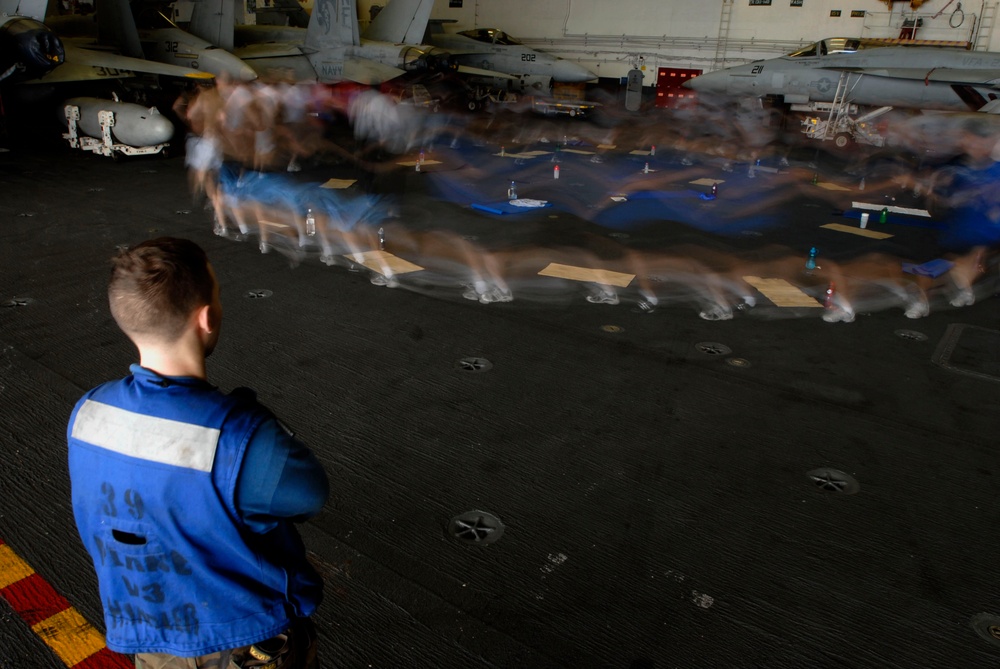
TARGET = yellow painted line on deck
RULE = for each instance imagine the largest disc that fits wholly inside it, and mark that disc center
(829, 186)
(522, 156)
(580, 151)
(782, 293)
(639, 152)
(71, 637)
(63, 629)
(706, 182)
(854, 230)
(601, 276)
(12, 568)
(339, 183)
(607, 146)
(378, 261)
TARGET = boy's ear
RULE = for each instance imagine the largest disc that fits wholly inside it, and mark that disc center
(203, 317)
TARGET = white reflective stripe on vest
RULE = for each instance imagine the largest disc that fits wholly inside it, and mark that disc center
(161, 440)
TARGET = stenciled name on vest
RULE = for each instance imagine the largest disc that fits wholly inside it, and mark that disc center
(146, 594)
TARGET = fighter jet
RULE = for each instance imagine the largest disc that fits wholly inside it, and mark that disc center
(159, 40)
(31, 53)
(330, 49)
(867, 72)
(495, 50)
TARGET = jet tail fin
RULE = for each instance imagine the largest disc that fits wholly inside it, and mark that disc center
(333, 24)
(116, 25)
(401, 22)
(213, 21)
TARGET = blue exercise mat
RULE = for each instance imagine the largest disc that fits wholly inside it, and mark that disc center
(505, 207)
(932, 268)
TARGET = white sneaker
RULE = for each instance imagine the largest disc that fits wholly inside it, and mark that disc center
(387, 281)
(603, 298)
(839, 315)
(965, 298)
(716, 313)
(917, 310)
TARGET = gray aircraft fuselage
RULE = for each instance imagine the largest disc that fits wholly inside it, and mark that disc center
(506, 55)
(914, 77)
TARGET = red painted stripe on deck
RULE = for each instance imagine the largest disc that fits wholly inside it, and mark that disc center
(34, 599)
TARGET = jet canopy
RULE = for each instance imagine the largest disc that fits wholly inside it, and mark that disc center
(490, 36)
(830, 46)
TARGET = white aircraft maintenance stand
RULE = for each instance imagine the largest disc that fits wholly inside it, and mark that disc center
(105, 146)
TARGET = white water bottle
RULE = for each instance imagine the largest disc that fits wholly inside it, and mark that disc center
(310, 223)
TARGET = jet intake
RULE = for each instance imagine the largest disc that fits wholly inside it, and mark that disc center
(428, 59)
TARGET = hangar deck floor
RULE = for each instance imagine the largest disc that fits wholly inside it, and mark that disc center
(654, 472)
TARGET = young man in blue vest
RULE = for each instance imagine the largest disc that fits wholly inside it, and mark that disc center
(184, 496)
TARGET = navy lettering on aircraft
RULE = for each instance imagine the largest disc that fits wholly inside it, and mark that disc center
(757, 69)
(331, 71)
(171, 47)
(529, 57)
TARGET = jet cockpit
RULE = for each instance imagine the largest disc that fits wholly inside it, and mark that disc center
(490, 36)
(829, 46)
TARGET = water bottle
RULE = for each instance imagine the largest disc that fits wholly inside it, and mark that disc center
(512, 191)
(811, 260)
(310, 223)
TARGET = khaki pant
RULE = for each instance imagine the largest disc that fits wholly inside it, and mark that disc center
(298, 652)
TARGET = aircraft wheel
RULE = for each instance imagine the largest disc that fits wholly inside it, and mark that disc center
(572, 113)
(842, 140)
(472, 105)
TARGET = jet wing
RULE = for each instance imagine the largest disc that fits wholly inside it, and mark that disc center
(946, 75)
(85, 65)
(369, 72)
(479, 72)
(268, 50)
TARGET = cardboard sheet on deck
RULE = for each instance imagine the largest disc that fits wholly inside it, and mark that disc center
(602, 276)
(855, 230)
(376, 260)
(782, 293)
(413, 163)
(339, 183)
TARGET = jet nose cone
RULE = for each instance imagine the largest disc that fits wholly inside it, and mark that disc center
(218, 62)
(571, 73)
(696, 84)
